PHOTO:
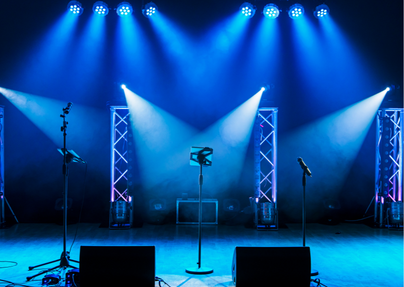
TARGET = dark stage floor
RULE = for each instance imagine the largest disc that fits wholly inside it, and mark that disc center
(345, 254)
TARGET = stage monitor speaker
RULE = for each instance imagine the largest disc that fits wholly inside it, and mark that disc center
(271, 266)
(117, 266)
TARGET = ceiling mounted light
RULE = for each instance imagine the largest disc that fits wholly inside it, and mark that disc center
(247, 9)
(296, 11)
(100, 8)
(75, 8)
(149, 9)
(321, 11)
(124, 9)
(271, 11)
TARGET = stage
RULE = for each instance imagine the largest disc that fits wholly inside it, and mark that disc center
(345, 254)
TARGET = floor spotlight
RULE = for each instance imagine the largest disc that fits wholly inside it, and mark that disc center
(75, 8)
(100, 8)
(124, 9)
(296, 11)
(271, 11)
(123, 86)
(321, 11)
(247, 9)
(149, 9)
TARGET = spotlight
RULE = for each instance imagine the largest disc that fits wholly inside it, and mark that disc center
(321, 11)
(296, 11)
(149, 9)
(124, 9)
(271, 11)
(263, 89)
(388, 89)
(75, 8)
(247, 9)
(123, 86)
(100, 8)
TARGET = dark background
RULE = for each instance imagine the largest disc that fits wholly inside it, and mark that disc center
(33, 168)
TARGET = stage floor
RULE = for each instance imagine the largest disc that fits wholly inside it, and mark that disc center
(344, 255)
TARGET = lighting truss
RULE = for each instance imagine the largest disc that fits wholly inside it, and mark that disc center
(75, 8)
(119, 153)
(124, 9)
(296, 11)
(265, 163)
(321, 11)
(149, 9)
(100, 8)
(271, 11)
(389, 161)
(248, 9)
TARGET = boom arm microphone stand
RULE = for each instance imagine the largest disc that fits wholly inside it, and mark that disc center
(307, 171)
(64, 260)
(203, 157)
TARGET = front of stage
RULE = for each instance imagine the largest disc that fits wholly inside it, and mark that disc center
(344, 254)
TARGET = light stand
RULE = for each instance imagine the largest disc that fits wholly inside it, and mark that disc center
(307, 171)
(200, 156)
(68, 156)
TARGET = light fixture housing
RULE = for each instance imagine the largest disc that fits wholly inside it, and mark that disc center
(271, 11)
(100, 8)
(296, 11)
(124, 9)
(248, 9)
(149, 9)
(321, 11)
(75, 8)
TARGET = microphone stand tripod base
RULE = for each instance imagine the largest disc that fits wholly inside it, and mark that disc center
(199, 271)
(314, 272)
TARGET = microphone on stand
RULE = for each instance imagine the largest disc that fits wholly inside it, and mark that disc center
(68, 108)
(304, 166)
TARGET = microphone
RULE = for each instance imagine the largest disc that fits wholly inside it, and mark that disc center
(304, 166)
(68, 108)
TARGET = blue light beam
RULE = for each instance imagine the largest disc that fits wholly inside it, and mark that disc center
(329, 146)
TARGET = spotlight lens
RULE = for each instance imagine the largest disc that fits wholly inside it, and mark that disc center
(123, 86)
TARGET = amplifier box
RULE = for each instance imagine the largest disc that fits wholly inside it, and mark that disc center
(188, 211)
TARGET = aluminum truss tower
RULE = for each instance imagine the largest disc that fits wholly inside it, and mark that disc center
(265, 161)
(120, 215)
(389, 168)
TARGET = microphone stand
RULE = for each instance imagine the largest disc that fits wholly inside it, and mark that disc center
(305, 170)
(64, 260)
(200, 270)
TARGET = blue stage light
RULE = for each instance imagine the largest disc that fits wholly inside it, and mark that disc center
(296, 11)
(271, 11)
(149, 9)
(321, 11)
(124, 9)
(123, 86)
(75, 8)
(100, 8)
(388, 89)
(247, 9)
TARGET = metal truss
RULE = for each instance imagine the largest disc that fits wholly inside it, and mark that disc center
(389, 163)
(119, 168)
(265, 160)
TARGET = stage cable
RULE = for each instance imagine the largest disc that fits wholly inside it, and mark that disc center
(12, 262)
(81, 208)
